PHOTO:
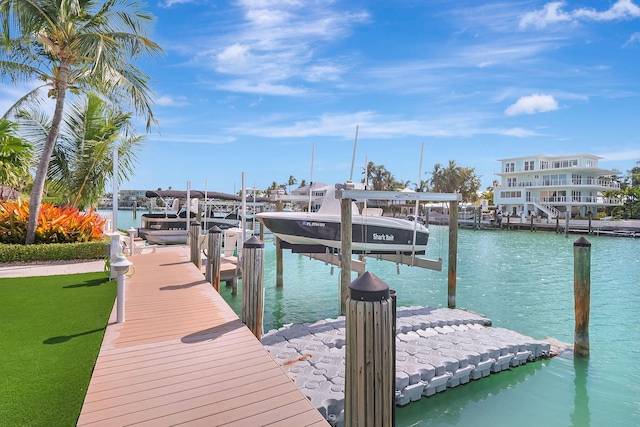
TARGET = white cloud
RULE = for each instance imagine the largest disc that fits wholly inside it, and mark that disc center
(621, 155)
(171, 3)
(188, 138)
(519, 132)
(263, 88)
(378, 126)
(553, 13)
(622, 9)
(168, 101)
(532, 104)
(550, 14)
(635, 38)
(278, 41)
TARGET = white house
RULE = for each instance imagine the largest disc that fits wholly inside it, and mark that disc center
(554, 185)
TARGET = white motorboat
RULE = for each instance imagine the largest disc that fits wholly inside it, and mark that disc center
(168, 225)
(307, 232)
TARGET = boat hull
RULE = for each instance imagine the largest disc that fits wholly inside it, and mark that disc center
(163, 237)
(369, 234)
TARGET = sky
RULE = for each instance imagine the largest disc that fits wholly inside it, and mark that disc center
(277, 88)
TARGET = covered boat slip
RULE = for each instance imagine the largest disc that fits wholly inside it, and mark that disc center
(183, 357)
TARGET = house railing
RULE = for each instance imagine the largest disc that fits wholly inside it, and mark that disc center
(576, 200)
(583, 182)
(546, 208)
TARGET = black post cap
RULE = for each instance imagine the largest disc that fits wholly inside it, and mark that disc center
(369, 287)
(194, 222)
(215, 229)
(582, 242)
(254, 242)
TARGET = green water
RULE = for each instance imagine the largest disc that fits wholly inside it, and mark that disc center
(522, 281)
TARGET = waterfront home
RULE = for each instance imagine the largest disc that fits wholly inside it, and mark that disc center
(317, 193)
(552, 186)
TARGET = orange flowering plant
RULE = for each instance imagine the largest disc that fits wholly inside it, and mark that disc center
(55, 224)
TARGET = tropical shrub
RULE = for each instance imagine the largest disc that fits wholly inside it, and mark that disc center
(53, 252)
(55, 224)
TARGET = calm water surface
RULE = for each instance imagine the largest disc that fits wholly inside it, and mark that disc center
(522, 281)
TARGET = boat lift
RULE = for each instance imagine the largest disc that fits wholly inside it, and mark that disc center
(346, 193)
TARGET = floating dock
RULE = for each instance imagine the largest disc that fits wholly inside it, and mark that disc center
(436, 349)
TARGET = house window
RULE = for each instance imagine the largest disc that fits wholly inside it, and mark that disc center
(544, 164)
(511, 182)
(528, 165)
(576, 179)
(510, 194)
(509, 167)
(575, 196)
(565, 164)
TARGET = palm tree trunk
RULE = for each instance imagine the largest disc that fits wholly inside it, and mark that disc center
(43, 164)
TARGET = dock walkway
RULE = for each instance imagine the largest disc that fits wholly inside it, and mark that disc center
(183, 357)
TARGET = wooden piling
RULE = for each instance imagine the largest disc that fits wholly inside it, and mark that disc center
(453, 254)
(346, 237)
(557, 224)
(214, 255)
(279, 254)
(581, 295)
(194, 247)
(369, 373)
(531, 219)
(252, 285)
(261, 225)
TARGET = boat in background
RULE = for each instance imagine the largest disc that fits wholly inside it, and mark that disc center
(167, 223)
(372, 233)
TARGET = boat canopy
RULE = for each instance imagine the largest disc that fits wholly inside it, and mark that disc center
(181, 194)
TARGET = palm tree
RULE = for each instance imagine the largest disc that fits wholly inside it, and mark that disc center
(77, 45)
(292, 181)
(15, 156)
(455, 178)
(81, 164)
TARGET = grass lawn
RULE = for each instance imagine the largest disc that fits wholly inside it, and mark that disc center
(51, 329)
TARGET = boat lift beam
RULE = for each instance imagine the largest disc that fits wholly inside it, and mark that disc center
(410, 260)
(346, 192)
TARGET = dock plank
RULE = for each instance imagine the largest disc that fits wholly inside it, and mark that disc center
(182, 357)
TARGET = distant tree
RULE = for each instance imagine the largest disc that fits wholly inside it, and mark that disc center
(401, 185)
(423, 186)
(489, 193)
(633, 175)
(302, 183)
(15, 156)
(378, 177)
(290, 182)
(272, 188)
(454, 179)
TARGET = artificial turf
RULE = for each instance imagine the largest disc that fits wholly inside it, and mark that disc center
(51, 329)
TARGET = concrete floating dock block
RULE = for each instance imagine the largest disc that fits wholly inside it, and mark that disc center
(436, 349)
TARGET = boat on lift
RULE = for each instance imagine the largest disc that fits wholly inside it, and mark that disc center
(168, 223)
(372, 233)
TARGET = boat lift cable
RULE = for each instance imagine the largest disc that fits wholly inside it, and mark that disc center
(353, 156)
(311, 179)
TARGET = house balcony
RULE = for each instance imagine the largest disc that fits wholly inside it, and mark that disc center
(584, 182)
(580, 200)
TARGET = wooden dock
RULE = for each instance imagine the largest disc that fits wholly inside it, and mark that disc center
(183, 357)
